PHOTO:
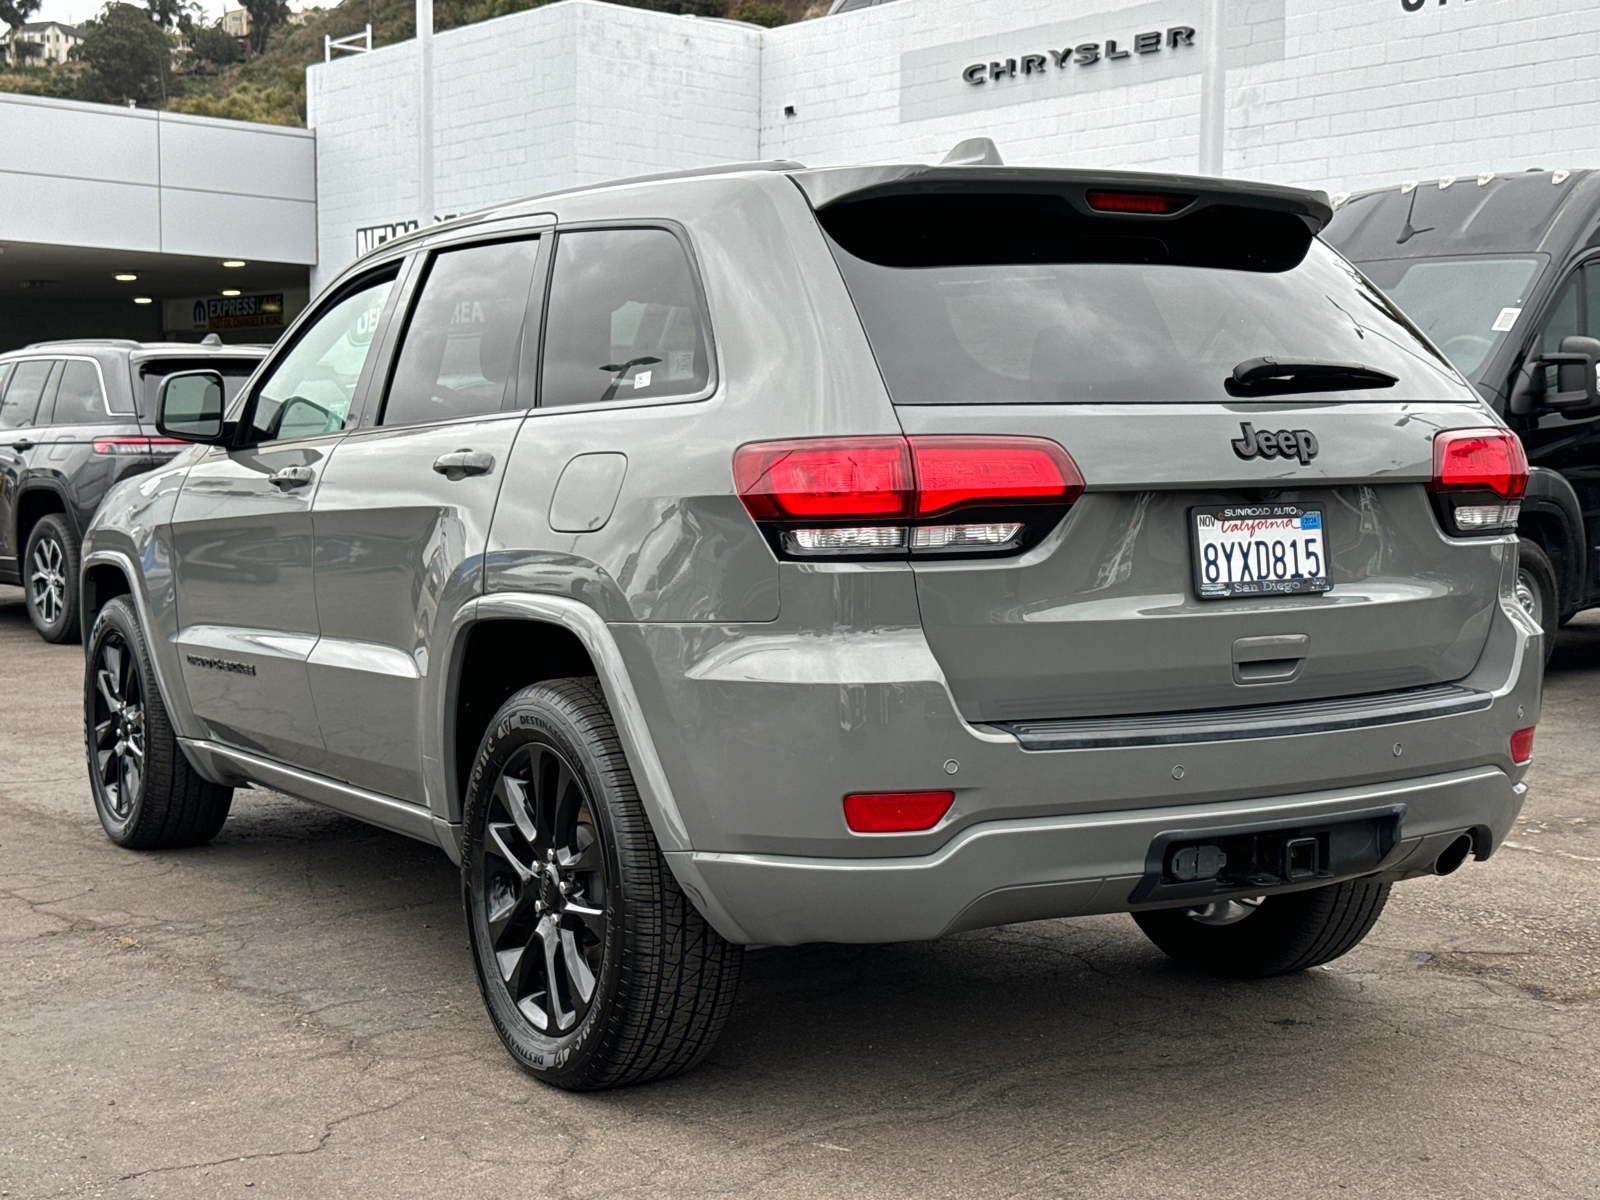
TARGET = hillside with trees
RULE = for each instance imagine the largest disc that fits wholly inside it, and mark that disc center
(156, 55)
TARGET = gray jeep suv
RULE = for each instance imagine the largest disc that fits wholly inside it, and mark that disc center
(77, 417)
(769, 555)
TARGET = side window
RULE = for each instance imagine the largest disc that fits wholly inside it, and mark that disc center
(310, 389)
(460, 350)
(79, 400)
(1564, 320)
(625, 319)
(23, 392)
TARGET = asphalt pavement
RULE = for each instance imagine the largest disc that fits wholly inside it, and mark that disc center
(291, 1012)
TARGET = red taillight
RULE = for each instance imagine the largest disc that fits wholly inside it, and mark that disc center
(965, 472)
(1522, 746)
(136, 445)
(1479, 476)
(884, 496)
(896, 812)
(834, 480)
(1150, 203)
(1479, 460)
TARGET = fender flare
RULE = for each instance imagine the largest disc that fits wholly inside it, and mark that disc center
(649, 776)
(1550, 499)
(43, 483)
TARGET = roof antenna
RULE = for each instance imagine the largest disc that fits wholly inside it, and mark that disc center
(974, 152)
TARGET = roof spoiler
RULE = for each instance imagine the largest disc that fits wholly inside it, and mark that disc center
(828, 186)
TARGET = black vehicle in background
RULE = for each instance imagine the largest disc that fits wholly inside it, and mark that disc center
(76, 417)
(1502, 272)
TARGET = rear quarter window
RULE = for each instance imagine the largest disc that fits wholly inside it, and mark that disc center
(153, 373)
(625, 320)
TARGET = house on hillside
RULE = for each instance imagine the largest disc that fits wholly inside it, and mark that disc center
(41, 42)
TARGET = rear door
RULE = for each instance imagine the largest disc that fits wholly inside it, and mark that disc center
(85, 446)
(1118, 338)
(31, 380)
(241, 534)
(403, 510)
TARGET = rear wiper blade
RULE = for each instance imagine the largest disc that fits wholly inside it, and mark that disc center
(1275, 376)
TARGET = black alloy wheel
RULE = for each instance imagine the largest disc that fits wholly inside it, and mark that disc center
(147, 795)
(1538, 592)
(50, 579)
(542, 884)
(595, 968)
(117, 733)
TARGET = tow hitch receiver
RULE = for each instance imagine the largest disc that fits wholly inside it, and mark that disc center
(1205, 863)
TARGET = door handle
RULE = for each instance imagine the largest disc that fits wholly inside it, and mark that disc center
(461, 463)
(24, 444)
(291, 477)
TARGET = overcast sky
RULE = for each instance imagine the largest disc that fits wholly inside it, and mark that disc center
(74, 11)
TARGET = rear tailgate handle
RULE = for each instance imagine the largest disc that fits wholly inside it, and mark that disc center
(290, 477)
(461, 463)
(1275, 658)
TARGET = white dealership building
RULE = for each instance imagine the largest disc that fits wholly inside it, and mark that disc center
(1333, 94)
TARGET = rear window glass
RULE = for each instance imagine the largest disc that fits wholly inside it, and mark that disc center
(459, 357)
(625, 320)
(1018, 298)
(153, 372)
(21, 402)
(79, 399)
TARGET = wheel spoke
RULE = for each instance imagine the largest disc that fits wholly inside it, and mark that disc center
(502, 917)
(105, 734)
(107, 685)
(585, 858)
(513, 796)
(112, 657)
(560, 1016)
(578, 972)
(496, 842)
(592, 919)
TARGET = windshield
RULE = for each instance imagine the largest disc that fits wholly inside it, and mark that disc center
(1010, 299)
(1466, 305)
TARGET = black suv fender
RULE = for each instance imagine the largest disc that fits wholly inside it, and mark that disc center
(1552, 517)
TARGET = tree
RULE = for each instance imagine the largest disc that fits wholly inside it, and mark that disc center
(264, 14)
(15, 13)
(125, 56)
(214, 45)
(170, 14)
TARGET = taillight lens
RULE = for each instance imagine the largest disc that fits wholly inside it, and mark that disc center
(1479, 477)
(843, 478)
(1149, 203)
(967, 472)
(896, 812)
(886, 496)
(138, 445)
(1522, 746)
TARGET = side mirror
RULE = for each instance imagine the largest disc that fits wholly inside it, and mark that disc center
(1577, 392)
(190, 406)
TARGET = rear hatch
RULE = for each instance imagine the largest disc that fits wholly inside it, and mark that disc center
(1120, 317)
(150, 371)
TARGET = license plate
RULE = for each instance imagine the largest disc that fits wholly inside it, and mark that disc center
(1258, 550)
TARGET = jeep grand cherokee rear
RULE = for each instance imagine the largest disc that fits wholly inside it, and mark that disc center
(852, 555)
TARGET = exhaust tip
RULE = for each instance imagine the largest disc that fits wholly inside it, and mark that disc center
(1454, 855)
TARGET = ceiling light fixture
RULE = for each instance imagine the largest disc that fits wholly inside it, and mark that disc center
(230, 291)
(233, 262)
(125, 278)
(143, 300)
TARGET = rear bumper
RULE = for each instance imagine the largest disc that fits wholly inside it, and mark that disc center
(1001, 872)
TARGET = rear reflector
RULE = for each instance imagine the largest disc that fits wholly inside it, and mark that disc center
(1522, 746)
(1480, 460)
(1150, 203)
(896, 812)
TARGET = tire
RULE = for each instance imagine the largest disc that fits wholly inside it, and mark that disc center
(146, 793)
(549, 775)
(1278, 935)
(1538, 592)
(50, 579)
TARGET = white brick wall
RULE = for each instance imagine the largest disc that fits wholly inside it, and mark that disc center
(1337, 95)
